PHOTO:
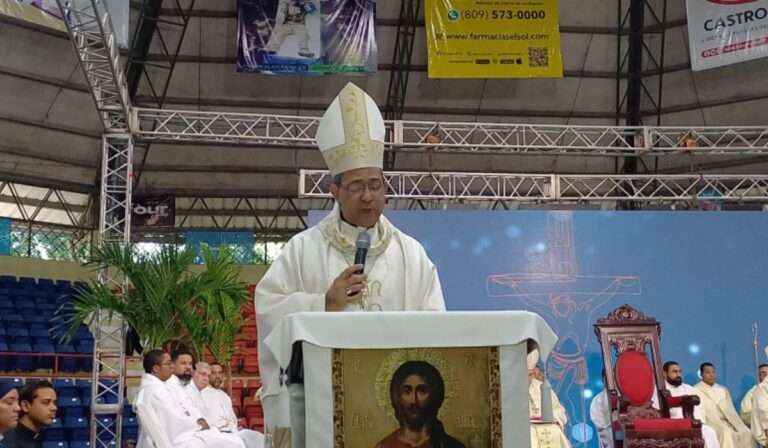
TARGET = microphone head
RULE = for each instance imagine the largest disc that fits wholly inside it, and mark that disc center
(363, 240)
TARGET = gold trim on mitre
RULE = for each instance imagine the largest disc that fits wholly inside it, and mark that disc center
(351, 133)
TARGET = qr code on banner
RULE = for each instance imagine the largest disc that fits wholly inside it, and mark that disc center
(538, 57)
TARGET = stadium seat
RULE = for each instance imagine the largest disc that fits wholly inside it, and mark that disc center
(45, 362)
(78, 428)
(5, 361)
(55, 432)
(45, 282)
(27, 281)
(79, 444)
(67, 364)
(55, 444)
(22, 363)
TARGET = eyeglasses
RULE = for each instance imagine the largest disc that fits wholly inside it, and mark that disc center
(358, 187)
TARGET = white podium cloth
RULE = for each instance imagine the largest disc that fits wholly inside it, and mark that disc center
(321, 332)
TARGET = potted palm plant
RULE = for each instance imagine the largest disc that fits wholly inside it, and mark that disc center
(165, 303)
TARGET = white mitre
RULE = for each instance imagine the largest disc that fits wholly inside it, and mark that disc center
(351, 133)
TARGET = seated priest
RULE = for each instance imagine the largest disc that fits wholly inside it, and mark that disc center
(721, 414)
(747, 401)
(316, 270)
(181, 424)
(601, 415)
(217, 405)
(673, 379)
(760, 411)
(544, 434)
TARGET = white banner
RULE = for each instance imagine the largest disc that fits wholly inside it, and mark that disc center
(724, 32)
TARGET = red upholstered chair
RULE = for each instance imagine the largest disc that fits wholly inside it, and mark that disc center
(627, 337)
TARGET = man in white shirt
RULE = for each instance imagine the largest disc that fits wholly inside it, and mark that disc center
(746, 402)
(721, 414)
(316, 270)
(181, 425)
(216, 405)
(673, 376)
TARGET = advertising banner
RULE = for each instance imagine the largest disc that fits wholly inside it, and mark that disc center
(724, 32)
(306, 36)
(153, 211)
(493, 39)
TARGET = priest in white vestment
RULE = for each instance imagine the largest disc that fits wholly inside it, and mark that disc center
(316, 271)
(721, 414)
(544, 435)
(216, 405)
(673, 375)
(760, 413)
(600, 414)
(746, 402)
(182, 427)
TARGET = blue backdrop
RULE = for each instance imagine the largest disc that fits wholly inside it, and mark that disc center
(702, 274)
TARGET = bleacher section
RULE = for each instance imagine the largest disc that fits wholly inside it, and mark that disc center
(29, 348)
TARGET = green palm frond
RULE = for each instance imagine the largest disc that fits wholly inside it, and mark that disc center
(165, 301)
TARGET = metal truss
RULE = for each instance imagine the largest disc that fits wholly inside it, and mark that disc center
(401, 61)
(556, 187)
(36, 204)
(180, 126)
(434, 186)
(109, 332)
(90, 30)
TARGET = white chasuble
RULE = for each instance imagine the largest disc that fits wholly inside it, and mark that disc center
(546, 435)
(723, 418)
(401, 277)
(760, 413)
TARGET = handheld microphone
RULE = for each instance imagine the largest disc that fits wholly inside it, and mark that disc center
(362, 245)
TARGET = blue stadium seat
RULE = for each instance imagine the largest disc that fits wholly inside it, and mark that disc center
(65, 388)
(8, 279)
(70, 402)
(12, 317)
(55, 444)
(55, 432)
(79, 430)
(17, 331)
(5, 361)
(67, 364)
(23, 340)
(128, 411)
(45, 362)
(64, 283)
(45, 282)
(22, 363)
(73, 412)
(130, 432)
(5, 303)
(27, 281)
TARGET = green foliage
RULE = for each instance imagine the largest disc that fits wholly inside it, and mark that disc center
(165, 302)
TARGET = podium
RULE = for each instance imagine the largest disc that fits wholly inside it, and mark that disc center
(366, 376)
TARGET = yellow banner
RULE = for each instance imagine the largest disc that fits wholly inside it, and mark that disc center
(493, 39)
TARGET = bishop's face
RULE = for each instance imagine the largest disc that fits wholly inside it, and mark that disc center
(361, 196)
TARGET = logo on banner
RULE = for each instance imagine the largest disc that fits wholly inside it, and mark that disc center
(724, 32)
(153, 211)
